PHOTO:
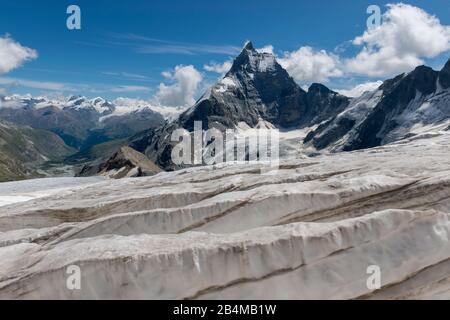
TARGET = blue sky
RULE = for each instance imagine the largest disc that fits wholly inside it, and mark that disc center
(124, 47)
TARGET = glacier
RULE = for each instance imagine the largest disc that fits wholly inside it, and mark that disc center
(309, 229)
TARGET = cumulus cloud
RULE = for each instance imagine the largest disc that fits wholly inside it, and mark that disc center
(360, 89)
(13, 54)
(11, 104)
(307, 65)
(406, 36)
(220, 68)
(266, 49)
(182, 92)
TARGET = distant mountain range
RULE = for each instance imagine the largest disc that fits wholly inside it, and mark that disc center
(79, 121)
(255, 92)
(38, 131)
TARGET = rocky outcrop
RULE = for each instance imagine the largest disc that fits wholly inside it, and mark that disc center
(126, 162)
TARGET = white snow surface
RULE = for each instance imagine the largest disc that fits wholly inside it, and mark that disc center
(308, 230)
(19, 191)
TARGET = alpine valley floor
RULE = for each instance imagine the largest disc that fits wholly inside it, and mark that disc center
(308, 230)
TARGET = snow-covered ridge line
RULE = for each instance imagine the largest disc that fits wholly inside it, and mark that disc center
(117, 107)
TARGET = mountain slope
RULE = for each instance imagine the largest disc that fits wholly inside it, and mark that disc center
(126, 162)
(405, 106)
(256, 88)
(23, 149)
(79, 121)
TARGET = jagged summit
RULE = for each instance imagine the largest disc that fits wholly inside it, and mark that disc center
(249, 46)
(252, 62)
(318, 88)
(256, 88)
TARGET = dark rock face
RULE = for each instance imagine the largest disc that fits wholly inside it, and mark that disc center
(156, 144)
(397, 95)
(328, 137)
(444, 76)
(323, 104)
(388, 116)
(126, 162)
(256, 88)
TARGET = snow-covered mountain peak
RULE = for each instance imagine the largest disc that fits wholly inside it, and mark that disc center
(250, 61)
(97, 104)
(446, 68)
(248, 46)
(98, 100)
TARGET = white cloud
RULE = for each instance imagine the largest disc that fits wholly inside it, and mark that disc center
(13, 54)
(166, 74)
(406, 36)
(360, 89)
(11, 104)
(220, 68)
(187, 49)
(182, 92)
(266, 49)
(129, 89)
(307, 65)
(69, 87)
(133, 76)
(46, 85)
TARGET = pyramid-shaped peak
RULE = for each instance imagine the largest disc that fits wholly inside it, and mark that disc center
(251, 61)
(249, 46)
